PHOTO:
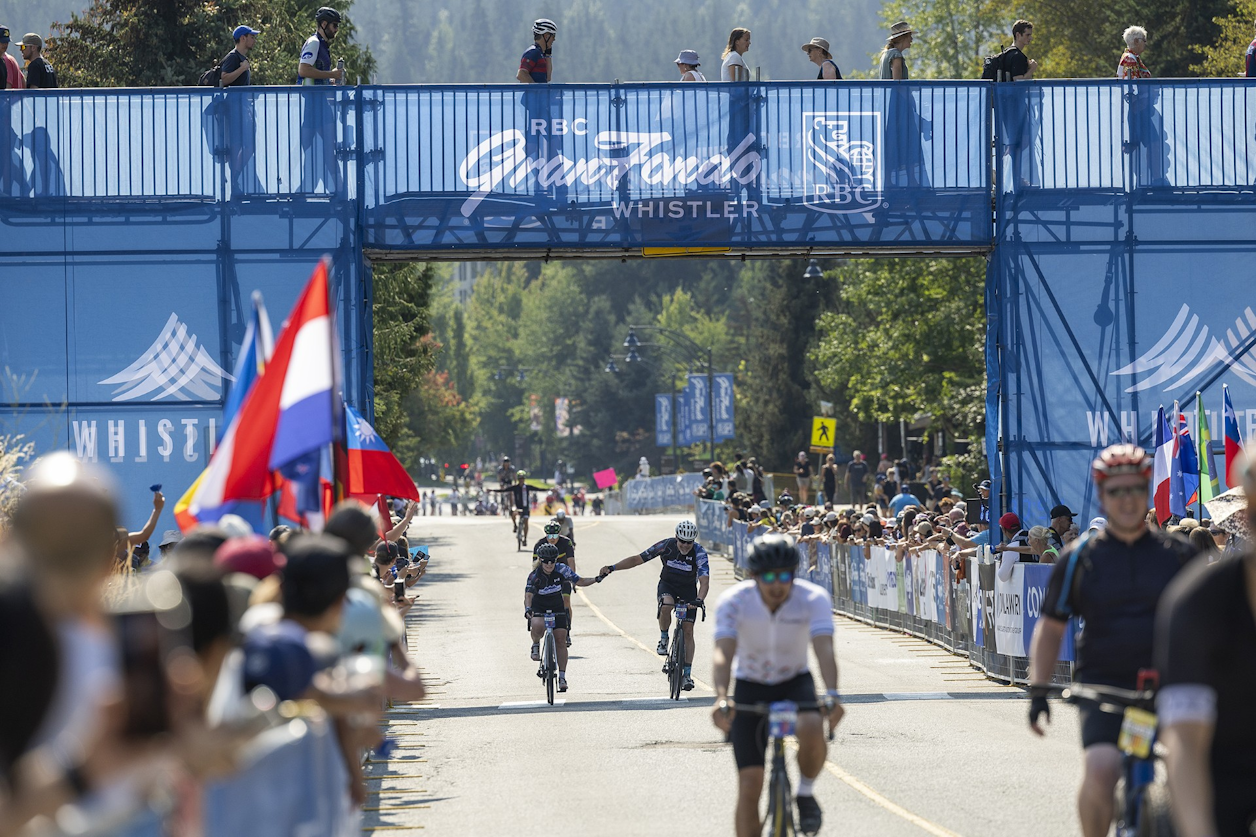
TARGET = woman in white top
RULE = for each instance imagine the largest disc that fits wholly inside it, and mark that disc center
(688, 63)
(734, 67)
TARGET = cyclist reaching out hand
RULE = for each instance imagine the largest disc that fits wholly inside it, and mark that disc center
(684, 576)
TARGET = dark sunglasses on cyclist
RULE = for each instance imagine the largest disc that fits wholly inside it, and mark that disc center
(1126, 491)
(549, 560)
(783, 576)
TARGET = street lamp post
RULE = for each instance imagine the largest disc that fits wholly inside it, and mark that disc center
(696, 355)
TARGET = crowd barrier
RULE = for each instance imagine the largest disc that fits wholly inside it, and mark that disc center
(979, 616)
(656, 494)
(294, 782)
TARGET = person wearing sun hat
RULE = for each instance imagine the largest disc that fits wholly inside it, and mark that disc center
(817, 50)
(688, 63)
(893, 62)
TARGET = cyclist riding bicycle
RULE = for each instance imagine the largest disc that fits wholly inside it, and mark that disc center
(506, 478)
(544, 592)
(1206, 656)
(518, 494)
(1113, 580)
(568, 529)
(566, 555)
(762, 628)
(684, 576)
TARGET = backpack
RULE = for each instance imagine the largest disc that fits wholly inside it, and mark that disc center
(992, 67)
(211, 77)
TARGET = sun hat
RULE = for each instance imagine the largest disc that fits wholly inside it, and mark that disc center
(688, 56)
(814, 43)
(898, 30)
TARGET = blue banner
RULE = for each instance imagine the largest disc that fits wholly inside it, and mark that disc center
(698, 400)
(663, 419)
(723, 399)
(660, 493)
(681, 417)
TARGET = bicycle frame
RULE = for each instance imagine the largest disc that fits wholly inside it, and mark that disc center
(549, 657)
(674, 668)
(782, 722)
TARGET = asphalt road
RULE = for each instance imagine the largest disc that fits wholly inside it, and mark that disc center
(928, 745)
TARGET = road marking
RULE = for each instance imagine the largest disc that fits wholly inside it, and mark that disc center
(648, 699)
(530, 704)
(893, 808)
(600, 615)
(917, 696)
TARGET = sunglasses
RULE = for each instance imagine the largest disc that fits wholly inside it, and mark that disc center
(1127, 491)
(549, 560)
(772, 576)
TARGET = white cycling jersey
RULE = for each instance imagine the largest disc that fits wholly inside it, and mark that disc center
(772, 647)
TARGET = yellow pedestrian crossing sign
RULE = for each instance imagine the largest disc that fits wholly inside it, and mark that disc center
(823, 432)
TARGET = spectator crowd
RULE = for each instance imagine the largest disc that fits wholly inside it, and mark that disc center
(143, 677)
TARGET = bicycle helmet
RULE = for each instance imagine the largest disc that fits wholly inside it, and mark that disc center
(1119, 460)
(544, 26)
(686, 531)
(772, 552)
(552, 528)
(547, 552)
(521, 473)
(560, 514)
(327, 14)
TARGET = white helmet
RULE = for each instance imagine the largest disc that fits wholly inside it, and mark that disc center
(686, 531)
(544, 26)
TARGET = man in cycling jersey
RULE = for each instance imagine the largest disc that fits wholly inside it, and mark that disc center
(684, 576)
(1113, 580)
(544, 593)
(762, 628)
(566, 555)
(566, 527)
(518, 494)
(1206, 656)
(506, 477)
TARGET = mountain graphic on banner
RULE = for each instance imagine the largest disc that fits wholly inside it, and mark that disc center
(174, 366)
(1185, 353)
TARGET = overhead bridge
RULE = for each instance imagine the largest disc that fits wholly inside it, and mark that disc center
(1117, 218)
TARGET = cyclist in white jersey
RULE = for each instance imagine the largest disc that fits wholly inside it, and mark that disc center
(762, 629)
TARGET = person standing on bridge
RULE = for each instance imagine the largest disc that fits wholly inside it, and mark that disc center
(237, 71)
(688, 63)
(318, 119)
(537, 67)
(817, 50)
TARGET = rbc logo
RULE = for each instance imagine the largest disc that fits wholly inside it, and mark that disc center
(843, 170)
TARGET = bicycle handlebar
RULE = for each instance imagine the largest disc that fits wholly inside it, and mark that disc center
(764, 710)
(1110, 698)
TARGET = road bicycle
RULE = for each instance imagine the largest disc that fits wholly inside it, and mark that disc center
(548, 672)
(521, 533)
(674, 666)
(782, 721)
(1142, 795)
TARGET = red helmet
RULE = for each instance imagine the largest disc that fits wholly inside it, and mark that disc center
(1118, 460)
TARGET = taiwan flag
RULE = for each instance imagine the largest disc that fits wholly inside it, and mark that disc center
(372, 469)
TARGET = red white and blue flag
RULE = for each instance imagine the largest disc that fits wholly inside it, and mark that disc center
(1185, 452)
(1233, 442)
(1167, 474)
(289, 417)
(372, 469)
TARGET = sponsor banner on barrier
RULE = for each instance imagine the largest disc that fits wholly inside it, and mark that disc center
(712, 520)
(900, 584)
(858, 576)
(1009, 613)
(645, 494)
(986, 576)
(1035, 578)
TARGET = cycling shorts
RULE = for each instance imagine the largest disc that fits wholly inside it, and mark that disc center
(679, 593)
(750, 732)
(560, 617)
(1098, 727)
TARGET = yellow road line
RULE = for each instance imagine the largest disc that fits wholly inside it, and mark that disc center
(848, 779)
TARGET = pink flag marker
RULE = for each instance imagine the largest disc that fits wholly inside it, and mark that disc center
(605, 479)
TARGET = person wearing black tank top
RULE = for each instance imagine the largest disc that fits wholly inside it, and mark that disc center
(817, 50)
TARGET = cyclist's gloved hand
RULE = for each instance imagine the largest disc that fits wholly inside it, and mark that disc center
(699, 603)
(527, 613)
(1038, 707)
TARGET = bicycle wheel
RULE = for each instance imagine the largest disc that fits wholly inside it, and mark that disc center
(551, 666)
(676, 661)
(780, 817)
(1154, 819)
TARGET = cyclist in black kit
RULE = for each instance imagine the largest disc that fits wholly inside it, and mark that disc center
(566, 555)
(544, 592)
(685, 577)
(518, 494)
(1206, 656)
(1113, 580)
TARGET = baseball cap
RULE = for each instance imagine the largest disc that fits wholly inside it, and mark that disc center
(983, 484)
(32, 39)
(253, 556)
(830, 517)
(241, 31)
(4, 34)
(1097, 523)
(275, 657)
(765, 505)
(1009, 521)
(1062, 511)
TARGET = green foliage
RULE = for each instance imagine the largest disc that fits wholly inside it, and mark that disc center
(907, 339)
(1224, 57)
(402, 356)
(159, 43)
(951, 36)
(480, 41)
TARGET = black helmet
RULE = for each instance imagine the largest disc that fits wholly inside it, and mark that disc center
(547, 552)
(327, 13)
(772, 552)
